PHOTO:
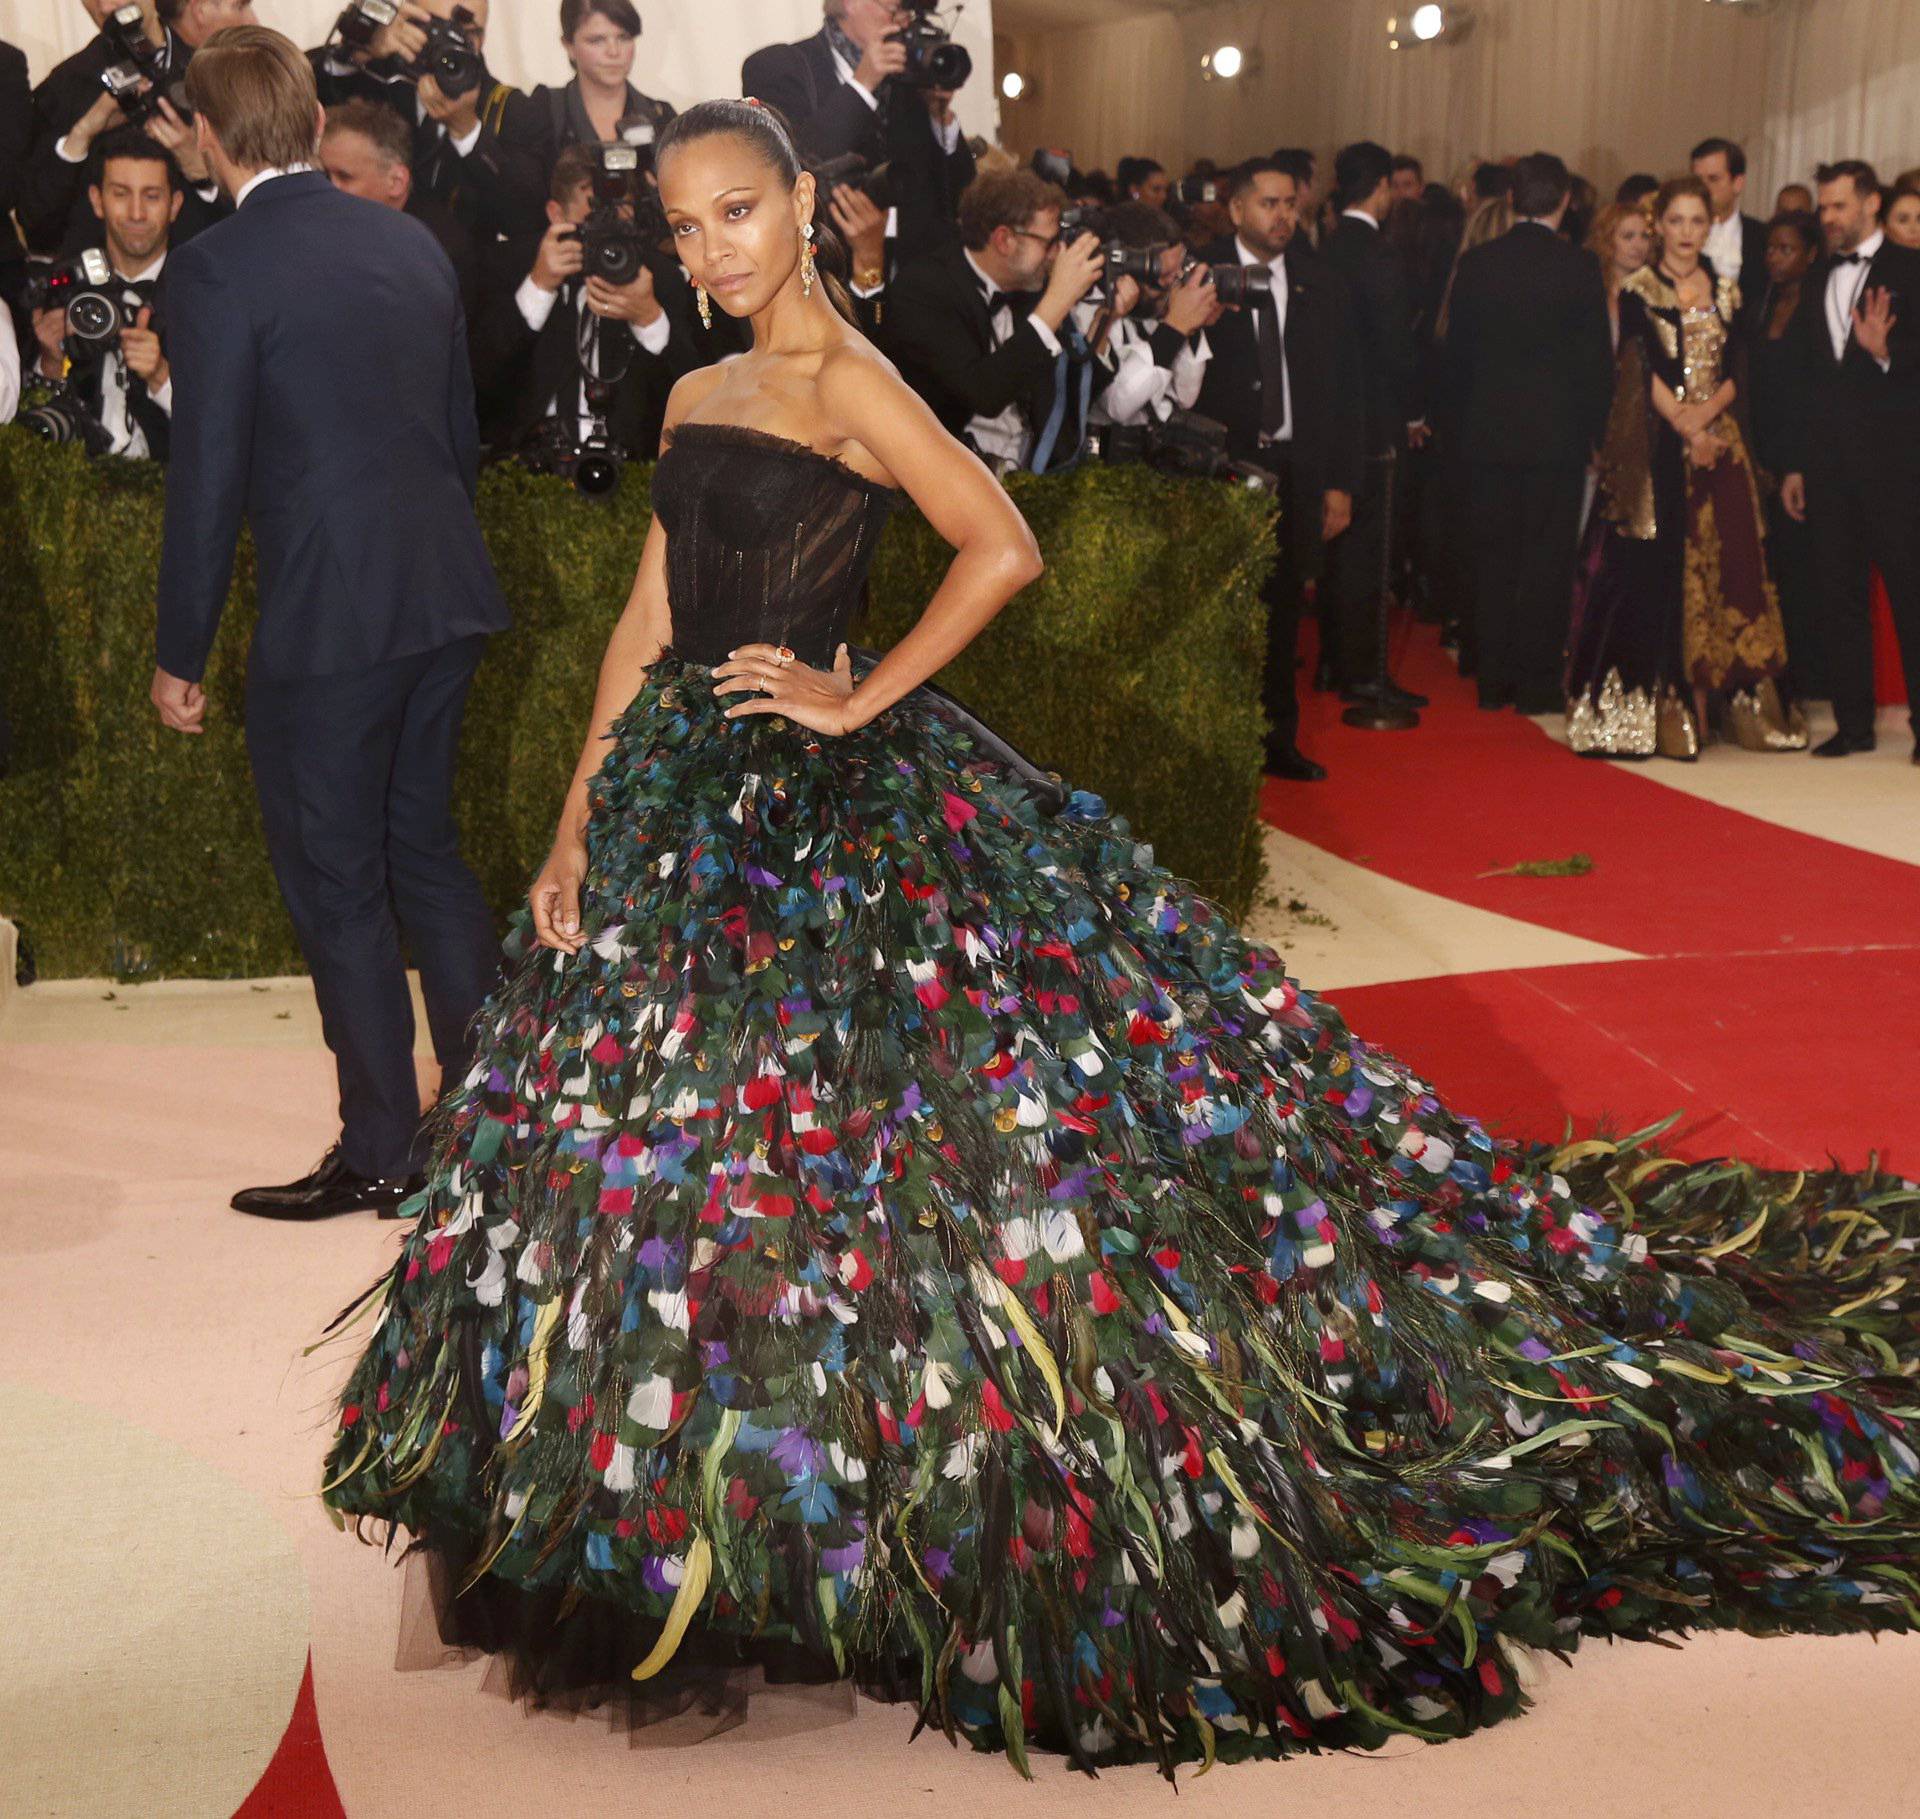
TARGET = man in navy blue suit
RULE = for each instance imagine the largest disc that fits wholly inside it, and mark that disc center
(321, 391)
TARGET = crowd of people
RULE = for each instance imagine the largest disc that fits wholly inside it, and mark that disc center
(1638, 459)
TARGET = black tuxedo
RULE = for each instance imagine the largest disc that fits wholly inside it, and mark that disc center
(1325, 452)
(1390, 363)
(830, 119)
(534, 373)
(321, 390)
(16, 137)
(52, 200)
(499, 189)
(1752, 278)
(1529, 375)
(92, 379)
(1853, 432)
(940, 332)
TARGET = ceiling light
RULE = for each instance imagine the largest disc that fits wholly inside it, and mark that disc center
(1428, 24)
(1226, 62)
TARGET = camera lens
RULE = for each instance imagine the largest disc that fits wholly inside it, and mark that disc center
(93, 318)
(948, 65)
(597, 472)
(616, 260)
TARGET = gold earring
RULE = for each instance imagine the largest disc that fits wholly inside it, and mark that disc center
(806, 260)
(703, 306)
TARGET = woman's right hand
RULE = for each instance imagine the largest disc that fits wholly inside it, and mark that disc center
(1703, 449)
(555, 896)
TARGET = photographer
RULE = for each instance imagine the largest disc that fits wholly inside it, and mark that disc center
(559, 327)
(600, 103)
(856, 86)
(1148, 335)
(124, 382)
(478, 145)
(74, 107)
(983, 330)
(1285, 379)
(365, 150)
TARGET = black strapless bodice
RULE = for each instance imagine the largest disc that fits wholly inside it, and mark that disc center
(767, 540)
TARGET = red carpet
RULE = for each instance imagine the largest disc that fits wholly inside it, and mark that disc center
(1776, 1009)
(297, 1784)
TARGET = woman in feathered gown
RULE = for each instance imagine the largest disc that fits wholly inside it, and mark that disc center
(895, 1230)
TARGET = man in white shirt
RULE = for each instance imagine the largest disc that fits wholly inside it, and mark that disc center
(128, 387)
(1152, 363)
(1736, 243)
(559, 328)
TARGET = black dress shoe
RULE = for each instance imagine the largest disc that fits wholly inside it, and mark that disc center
(1391, 693)
(1842, 745)
(1290, 762)
(331, 1188)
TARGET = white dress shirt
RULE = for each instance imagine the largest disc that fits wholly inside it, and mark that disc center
(259, 177)
(1845, 286)
(1141, 386)
(1006, 435)
(1726, 245)
(1278, 267)
(9, 367)
(127, 437)
(536, 305)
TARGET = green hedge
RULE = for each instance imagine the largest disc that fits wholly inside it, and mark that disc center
(1131, 667)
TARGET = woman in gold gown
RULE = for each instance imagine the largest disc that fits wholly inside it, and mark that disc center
(1676, 631)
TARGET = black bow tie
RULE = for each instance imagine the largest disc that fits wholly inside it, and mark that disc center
(1848, 258)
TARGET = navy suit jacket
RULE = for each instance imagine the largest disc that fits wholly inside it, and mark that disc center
(321, 391)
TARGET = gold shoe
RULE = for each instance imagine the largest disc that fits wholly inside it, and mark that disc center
(1674, 734)
(1761, 724)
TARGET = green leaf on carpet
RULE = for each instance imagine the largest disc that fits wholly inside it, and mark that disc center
(1576, 865)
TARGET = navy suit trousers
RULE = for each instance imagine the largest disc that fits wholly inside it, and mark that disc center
(355, 779)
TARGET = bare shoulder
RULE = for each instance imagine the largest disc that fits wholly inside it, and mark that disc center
(866, 402)
(690, 391)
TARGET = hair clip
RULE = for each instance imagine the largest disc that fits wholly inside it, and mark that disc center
(753, 100)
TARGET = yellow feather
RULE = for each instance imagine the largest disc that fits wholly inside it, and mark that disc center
(544, 1323)
(1740, 1240)
(693, 1587)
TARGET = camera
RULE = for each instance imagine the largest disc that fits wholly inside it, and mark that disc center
(1186, 443)
(94, 300)
(623, 216)
(874, 181)
(594, 462)
(137, 77)
(1239, 285)
(448, 55)
(933, 59)
(59, 414)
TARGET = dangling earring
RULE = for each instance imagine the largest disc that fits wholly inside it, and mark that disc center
(703, 306)
(806, 260)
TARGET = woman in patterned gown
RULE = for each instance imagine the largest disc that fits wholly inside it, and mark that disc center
(892, 1230)
(1676, 630)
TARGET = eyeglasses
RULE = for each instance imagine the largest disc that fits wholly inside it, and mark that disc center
(1027, 233)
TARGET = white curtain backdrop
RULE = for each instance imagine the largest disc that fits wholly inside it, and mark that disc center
(1612, 85)
(688, 50)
